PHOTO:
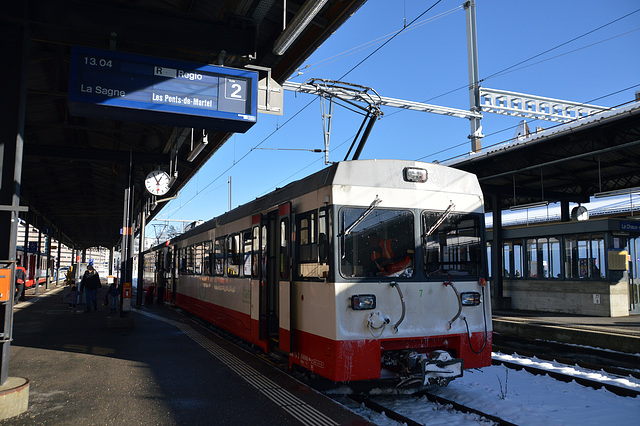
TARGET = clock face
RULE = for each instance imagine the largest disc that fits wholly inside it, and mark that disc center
(157, 182)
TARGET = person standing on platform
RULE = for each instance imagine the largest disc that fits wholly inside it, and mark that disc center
(113, 294)
(72, 296)
(21, 277)
(90, 286)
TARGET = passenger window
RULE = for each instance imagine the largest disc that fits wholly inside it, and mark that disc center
(234, 256)
(189, 254)
(182, 261)
(247, 244)
(218, 252)
(198, 258)
(207, 259)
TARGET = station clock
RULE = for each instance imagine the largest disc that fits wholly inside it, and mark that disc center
(157, 182)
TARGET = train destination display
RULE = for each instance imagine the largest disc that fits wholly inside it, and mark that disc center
(127, 87)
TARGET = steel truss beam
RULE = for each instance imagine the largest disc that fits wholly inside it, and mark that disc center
(535, 107)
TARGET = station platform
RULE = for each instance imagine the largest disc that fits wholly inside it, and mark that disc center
(167, 369)
(621, 334)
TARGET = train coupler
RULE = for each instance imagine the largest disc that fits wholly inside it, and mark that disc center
(439, 368)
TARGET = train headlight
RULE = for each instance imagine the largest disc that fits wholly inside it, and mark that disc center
(471, 298)
(361, 302)
(415, 174)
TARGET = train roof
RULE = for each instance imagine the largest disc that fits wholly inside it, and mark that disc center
(354, 173)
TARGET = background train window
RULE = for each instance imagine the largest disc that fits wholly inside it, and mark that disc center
(247, 245)
(378, 243)
(234, 255)
(453, 247)
(284, 248)
(218, 253)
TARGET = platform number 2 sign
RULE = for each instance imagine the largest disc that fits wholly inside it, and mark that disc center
(235, 89)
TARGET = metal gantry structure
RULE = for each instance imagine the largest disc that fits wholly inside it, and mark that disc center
(480, 99)
(534, 107)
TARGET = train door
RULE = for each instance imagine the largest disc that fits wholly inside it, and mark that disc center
(268, 287)
(284, 277)
(275, 284)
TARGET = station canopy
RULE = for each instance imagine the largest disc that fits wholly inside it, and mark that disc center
(597, 155)
(75, 168)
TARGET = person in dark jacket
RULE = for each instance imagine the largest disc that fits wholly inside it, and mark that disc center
(90, 286)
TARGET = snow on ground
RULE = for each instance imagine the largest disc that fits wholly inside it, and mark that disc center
(520, 398)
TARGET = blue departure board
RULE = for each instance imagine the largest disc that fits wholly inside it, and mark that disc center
(122, 86)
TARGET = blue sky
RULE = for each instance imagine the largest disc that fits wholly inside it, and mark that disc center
(426, 62)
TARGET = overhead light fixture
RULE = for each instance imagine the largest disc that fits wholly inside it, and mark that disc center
(198, 148)
(529, 206)
(615, 192)
(307, 12)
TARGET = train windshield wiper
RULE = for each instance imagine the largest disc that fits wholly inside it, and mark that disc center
(441, 219)
(364, 214)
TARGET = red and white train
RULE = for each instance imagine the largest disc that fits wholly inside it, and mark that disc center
(368, 269)
(35, 265)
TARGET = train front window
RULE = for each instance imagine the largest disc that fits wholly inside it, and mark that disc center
(380, 243)
(454, 245)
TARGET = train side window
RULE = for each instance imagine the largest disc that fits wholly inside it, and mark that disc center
(313, 244)
(190, 256)
(308, 246)
(247, 253)
(198, 257)
(207, 259)
(182, 256)
(234, 255)
(255, 251)
(218, 252)
(324, 236)
(284, 248)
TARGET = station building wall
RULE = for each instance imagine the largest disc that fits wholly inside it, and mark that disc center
(581, 268)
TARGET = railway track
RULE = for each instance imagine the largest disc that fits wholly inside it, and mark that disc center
(587, 357)
(394, 415)
(621, 365)
(567, 378)
(611, 369)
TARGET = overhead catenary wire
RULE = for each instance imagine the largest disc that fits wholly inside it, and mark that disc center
(303, 108)
(389, 40)
(409, 26)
